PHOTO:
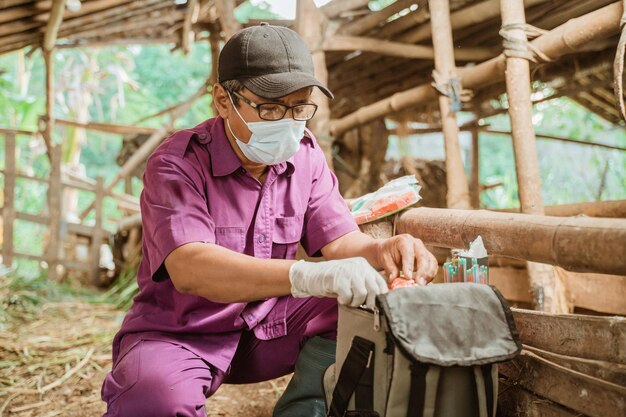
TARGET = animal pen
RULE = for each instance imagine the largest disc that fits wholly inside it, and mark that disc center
(412, 61)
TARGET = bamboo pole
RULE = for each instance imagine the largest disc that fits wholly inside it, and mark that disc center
(548, 293)
(46, 132)
(311, 23)
(458, 192)
(557, 138)
(191, 16)
(599, 24)
(580, 244)
(371, 20)
(55, 214)
(214, 42)
(108, 127)
(475, 173)
(400, 49)
(336, 7)
(96, 238)
(8, 209)
(52, 28)
(226, 17)
(613, 208)
(149, 145)
(87, 7)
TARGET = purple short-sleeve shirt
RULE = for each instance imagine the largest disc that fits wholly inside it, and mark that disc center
(195, 190)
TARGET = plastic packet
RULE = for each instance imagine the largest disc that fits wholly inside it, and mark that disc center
(394, 196)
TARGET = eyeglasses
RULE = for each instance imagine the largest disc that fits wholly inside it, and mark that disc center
(276, 111)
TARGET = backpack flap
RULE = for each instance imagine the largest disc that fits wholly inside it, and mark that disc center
(459, 324)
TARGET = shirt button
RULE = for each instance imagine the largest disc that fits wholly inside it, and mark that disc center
(261, 238)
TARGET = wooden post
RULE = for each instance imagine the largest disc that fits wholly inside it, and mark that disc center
(475, 177)
(46, 132)
(55, 213)
(191, 16)
(96, 238)
(54, 21)
(226, 17)
(311, 25)
(214, 42)
(8, 210)
(549, 295)
(458, 191)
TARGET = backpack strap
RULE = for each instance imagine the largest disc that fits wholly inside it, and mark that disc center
(485, 388)
(359, 359)
(423, 390)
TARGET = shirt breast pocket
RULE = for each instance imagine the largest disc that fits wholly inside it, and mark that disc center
(230, 237)
(286, 236)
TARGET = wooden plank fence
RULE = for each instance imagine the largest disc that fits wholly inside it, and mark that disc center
(58, 228)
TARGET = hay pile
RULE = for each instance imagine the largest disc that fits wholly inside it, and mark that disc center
(55, 349)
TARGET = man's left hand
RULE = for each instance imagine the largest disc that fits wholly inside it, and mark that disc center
(409, 255)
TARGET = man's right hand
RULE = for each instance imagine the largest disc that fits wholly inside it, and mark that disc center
(353, 281)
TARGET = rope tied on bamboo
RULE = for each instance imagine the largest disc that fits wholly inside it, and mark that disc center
(618, 66)
(516, 47)
(452, 89)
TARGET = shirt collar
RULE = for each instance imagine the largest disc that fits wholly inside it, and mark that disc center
(224, 160)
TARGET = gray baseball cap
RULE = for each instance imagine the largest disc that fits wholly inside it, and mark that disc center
(271, 61)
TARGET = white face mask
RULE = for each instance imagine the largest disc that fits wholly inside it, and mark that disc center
(272, 142)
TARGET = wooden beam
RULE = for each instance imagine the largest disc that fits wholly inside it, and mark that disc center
(335, 8)
(580, 244)
(613, 208)
(515, 401)
(591, 396)
(18, 131)
(582, 336)
(488, 129)
(599, 24)
(402, 50)
(52, 28)
(597, 292)
(445, 74)
(371, 20)
(117, 42)
(108, 127)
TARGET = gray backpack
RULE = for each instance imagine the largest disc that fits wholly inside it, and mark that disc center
(423, 352)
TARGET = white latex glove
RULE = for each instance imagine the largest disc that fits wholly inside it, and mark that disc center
(353, 281)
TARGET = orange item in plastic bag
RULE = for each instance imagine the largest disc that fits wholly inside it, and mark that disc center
(401, 282)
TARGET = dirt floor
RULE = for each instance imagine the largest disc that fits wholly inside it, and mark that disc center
(54, 356)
